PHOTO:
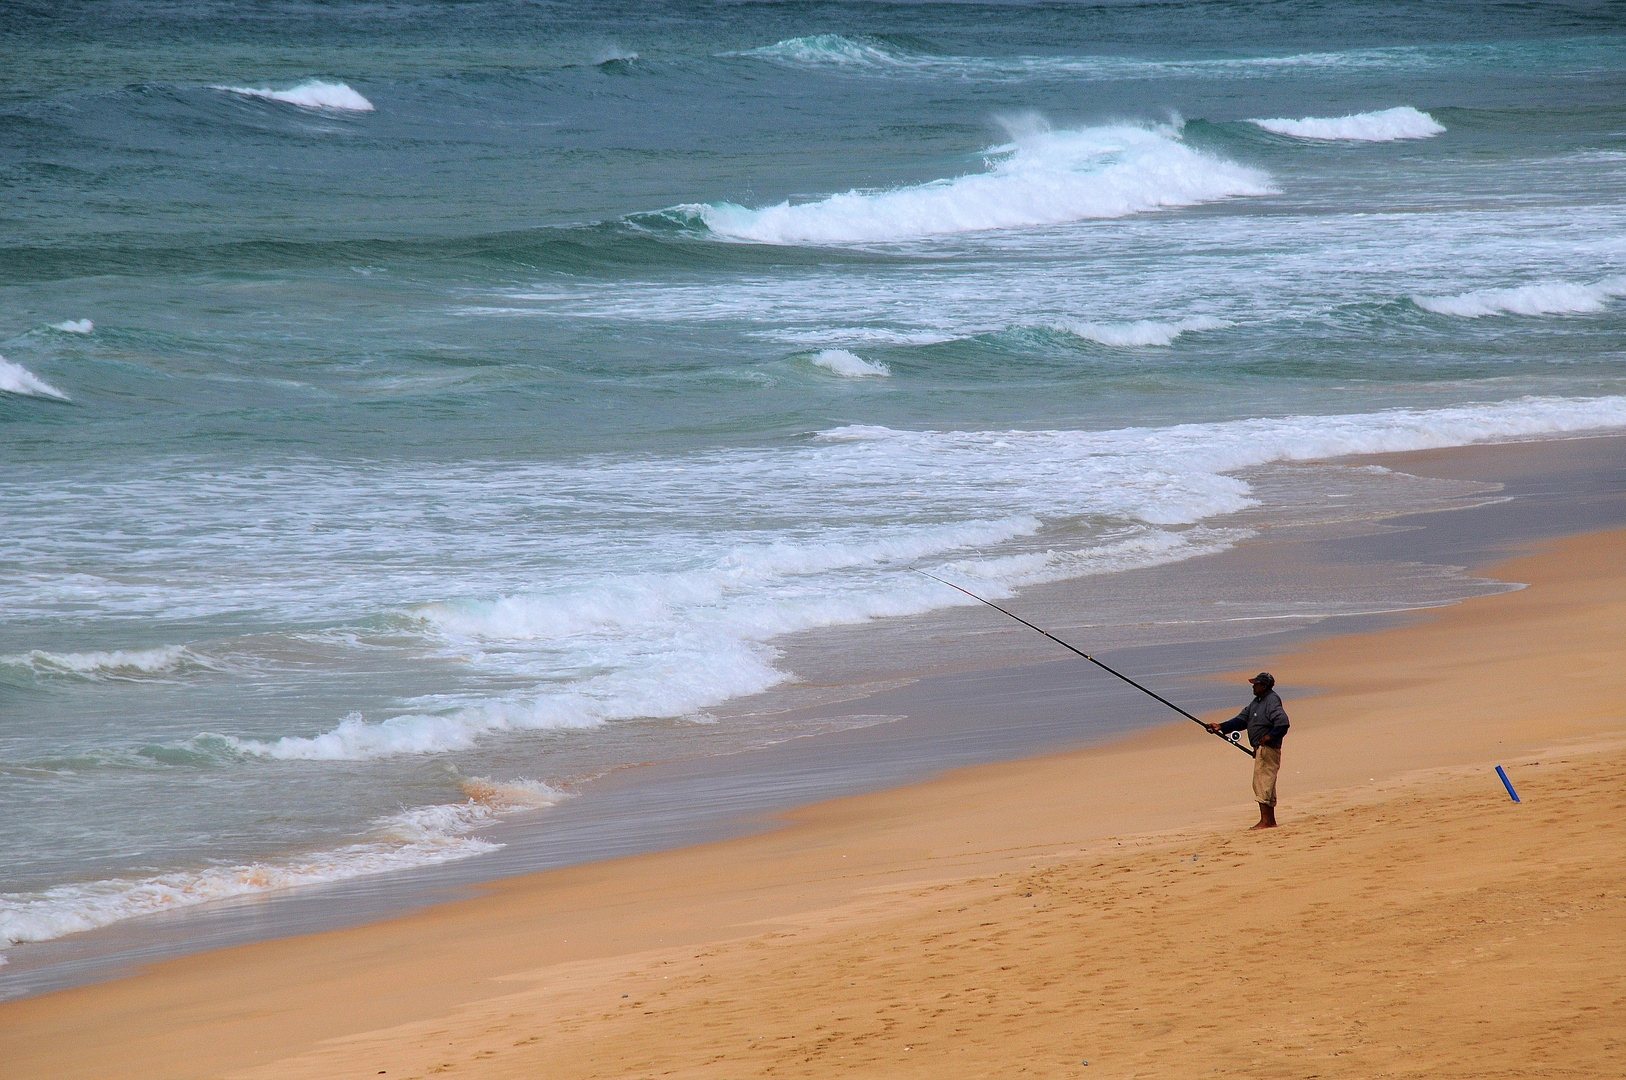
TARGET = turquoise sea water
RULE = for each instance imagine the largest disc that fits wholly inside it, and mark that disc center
(409, 411)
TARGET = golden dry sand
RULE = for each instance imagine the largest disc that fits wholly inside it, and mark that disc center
(1105, 906)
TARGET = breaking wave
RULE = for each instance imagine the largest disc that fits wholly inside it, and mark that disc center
(1544, 298)
(652, 645)
(678, 641)
(1403, 122)
(311, 94)
(1142, 332)
(854, 334)
(16, 379)
(833, 49)
(848, 365)
(873, 56)
(419, 837)
(75, 326)
(117, 664)
(1046, 177)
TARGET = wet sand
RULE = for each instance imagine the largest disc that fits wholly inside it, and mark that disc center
(1102, 905)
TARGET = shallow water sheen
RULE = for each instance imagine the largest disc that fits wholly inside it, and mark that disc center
(409, 414)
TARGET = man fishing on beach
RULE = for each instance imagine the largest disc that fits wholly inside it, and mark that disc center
(1265, 721)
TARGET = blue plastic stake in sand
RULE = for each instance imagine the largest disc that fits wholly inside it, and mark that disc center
(1514, 795)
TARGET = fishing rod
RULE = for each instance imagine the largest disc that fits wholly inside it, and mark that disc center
(1091, 659)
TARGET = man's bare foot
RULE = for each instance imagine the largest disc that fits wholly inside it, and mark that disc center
(1263, 825)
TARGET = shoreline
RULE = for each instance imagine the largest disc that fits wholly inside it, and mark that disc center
(877, 926)
(1060, 686)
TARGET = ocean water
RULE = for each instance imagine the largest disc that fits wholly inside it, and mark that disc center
(410, 412)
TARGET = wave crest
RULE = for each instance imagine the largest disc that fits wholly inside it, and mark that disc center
(1042, 178)
(848, 365)
(820, 49)
(869, 56)
(1402, 122)
(1542, 298)
(421, 836)
(311, 94)
(115, 664)
(712, 625)
(1142, 332)
(16, 379)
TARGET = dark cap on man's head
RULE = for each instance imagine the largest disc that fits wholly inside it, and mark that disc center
(1264, 677)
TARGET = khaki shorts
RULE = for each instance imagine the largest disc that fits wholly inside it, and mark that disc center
(1267, 762)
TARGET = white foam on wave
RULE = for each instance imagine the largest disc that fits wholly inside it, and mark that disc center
(848, 365)
(1042, 177)
(16, 379)
(311, 94)
(685, 640)
(831, 49)
(1402, 122)
(1209, 452)
(1002, 575)
(855, 334)
(872, 57)
(421, 836)
(615, 646)
(74, 326)
(1140, 333)
(115, 664)
(1543, 298)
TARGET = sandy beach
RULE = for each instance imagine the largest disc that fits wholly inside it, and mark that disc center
(1102, 906)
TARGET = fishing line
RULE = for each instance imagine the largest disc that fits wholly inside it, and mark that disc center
(1091, 659)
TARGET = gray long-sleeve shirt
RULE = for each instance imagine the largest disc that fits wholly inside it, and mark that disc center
(1264, 718)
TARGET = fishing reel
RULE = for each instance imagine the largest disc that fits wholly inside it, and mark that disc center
(1235, 737)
